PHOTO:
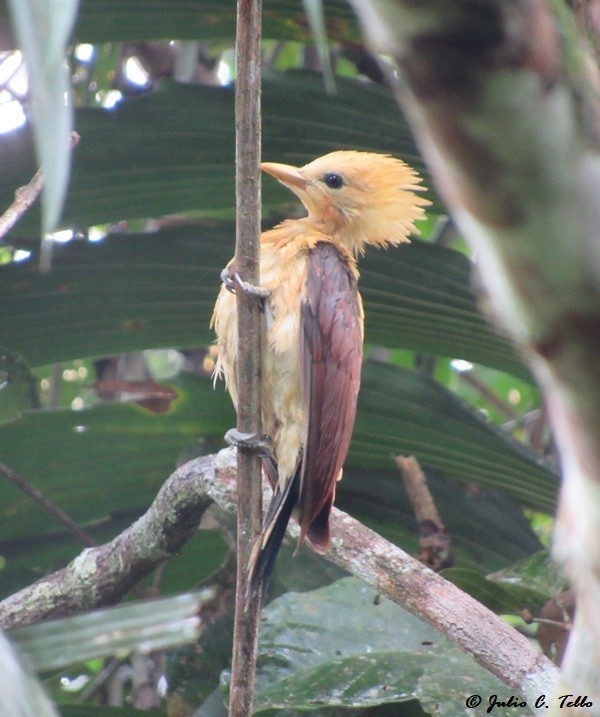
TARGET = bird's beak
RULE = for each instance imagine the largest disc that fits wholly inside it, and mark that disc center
(290, 176)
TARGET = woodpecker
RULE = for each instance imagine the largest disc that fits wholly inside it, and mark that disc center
(312, 331)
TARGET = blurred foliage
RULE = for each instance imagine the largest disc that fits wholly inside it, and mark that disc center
(376, 653)
(105, 363)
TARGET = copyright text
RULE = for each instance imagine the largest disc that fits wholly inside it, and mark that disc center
(563, 701)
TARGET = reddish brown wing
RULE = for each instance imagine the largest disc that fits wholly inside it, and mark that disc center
(331, 355)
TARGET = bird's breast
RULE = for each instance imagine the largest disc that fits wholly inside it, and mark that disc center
(283, 409)
(284, 262)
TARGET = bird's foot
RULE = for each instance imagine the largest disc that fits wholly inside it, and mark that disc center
(234, 282)
(259, 442)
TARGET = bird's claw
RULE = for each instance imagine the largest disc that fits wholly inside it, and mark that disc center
(259, 442)
(228, 280)
(233, 281)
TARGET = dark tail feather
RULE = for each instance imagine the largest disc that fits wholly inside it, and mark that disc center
(270, 470)
(265, 550)
(318, 532)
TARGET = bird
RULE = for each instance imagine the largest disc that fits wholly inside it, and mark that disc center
(312, 332)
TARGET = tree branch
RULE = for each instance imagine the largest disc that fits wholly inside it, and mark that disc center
(46, 504)
(247, 248)
(435, 545)
(24, 199)
(172, 519)
(26, 196)
(104, 574)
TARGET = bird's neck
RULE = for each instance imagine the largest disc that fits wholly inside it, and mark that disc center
(293, 236)
(348, 235)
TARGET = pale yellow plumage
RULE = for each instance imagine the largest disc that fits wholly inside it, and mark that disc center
(374, 204)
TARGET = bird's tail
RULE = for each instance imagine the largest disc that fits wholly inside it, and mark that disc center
(265, 550)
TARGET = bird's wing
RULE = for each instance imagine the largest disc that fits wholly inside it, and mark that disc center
(331, 356)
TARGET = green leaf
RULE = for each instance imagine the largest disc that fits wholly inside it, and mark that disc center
(117, 20)
(498, 598)
(172, 150)
(43, 30)
(419, 297)
(525, 585)
(108, 459)
(205, 19)
(364, 680)
(338, 646)
(104, 711)
(378, 498)
(17, 386)
(538, 574)
(213, 706)
(127, 293)
(403, 412)
(133, 292)
(29, 558)
(146, 626)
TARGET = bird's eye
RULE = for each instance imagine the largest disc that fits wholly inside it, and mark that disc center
(333, 180)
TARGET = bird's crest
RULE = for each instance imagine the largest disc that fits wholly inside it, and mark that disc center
(357, 197)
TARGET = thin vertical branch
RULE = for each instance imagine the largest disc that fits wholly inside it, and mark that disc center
(249, 517)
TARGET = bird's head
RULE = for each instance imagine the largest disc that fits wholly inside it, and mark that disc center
(357, 197)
